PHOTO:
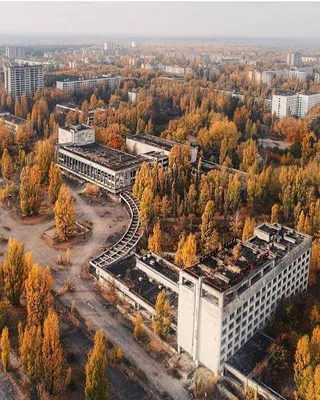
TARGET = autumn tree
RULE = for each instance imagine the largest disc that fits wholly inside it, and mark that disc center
(44, 156)
(146, 207)
(275, 213)
(234, 192)
(189, 251)
(162, 318)
(138, 330)
(314, 262)
(51, 353)
(248, 228)
(208, 227)
(30, 190)
(55, 182)
(154, 242)
(14, 271)
(64, 214)
(5, 135)
(6, 164)
(5, 349)
(31, 356)
(38, 293)
(178, 258)
(22, 136)
(97, 387)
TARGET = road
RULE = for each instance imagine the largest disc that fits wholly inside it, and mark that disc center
(116, 219)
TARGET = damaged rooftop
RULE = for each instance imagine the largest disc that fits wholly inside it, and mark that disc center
(115, 160)
(226, 267)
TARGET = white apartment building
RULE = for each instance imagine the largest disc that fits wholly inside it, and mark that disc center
(109, 46)
(297, 105)
(12, 52)
(112, 83)
(301, 76)
(294, 59)
(133, 96)
(226, 298)
(21, 79)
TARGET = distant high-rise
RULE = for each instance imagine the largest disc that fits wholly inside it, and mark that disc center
(109, 46)
(15, 52)
(21, 79)
(294, 60)
(134, 44)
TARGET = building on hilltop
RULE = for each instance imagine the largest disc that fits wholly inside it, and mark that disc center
(21, 79)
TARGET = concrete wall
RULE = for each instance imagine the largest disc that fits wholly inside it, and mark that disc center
(78, 138)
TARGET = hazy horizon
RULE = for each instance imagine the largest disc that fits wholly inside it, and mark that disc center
(197, 20)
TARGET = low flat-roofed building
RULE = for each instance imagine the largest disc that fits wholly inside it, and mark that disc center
(111, 83)
(144, 143)
(108, 168)
(231, 293)
(12, 122)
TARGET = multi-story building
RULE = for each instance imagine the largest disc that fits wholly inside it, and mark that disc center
(111, 82)
(297, 105)
(21, 79)
(301, 76)
(294, 60)
(133, 96)
(12, 122)
(226, 298)
(13, 52)
(317, 77)
(78, 154)
(109, 46)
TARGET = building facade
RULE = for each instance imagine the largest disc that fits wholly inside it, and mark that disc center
(294, 60)
(111, 82)
(228, 297)
(297, 105)
(21, 79)
(13, 52)
(12, 122)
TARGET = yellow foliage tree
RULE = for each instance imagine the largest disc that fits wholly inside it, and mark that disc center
(97, 387)
(51, 353)
(154, 242)
(55, 182)
(30, 190)
(249, 225)
(6, 164)
(44, 156)
(38, 293)
(138, 330)
(189, 251)
(14, 271)
(5, 349)
(274, 213)
(64, 214)
(162, 318)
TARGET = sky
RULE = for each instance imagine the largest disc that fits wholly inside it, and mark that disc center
(163, 19)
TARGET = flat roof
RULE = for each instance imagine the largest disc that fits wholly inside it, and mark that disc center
(161, 267)
(13, 119)
(140, 283)
(251, 354)
(108, 157)
(157, 141)
(229, 265)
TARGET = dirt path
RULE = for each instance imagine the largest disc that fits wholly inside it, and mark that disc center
(88, 303)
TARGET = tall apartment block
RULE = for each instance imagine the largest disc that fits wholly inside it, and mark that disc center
(15, 52)
(294, 60)
(111, 82)
(109, 46)
(226, 298)
(296, 105)
(21, 79)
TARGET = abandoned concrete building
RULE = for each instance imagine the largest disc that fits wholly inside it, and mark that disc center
(145, 144)
(78, 154)
(224, 300)
(13, 122)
